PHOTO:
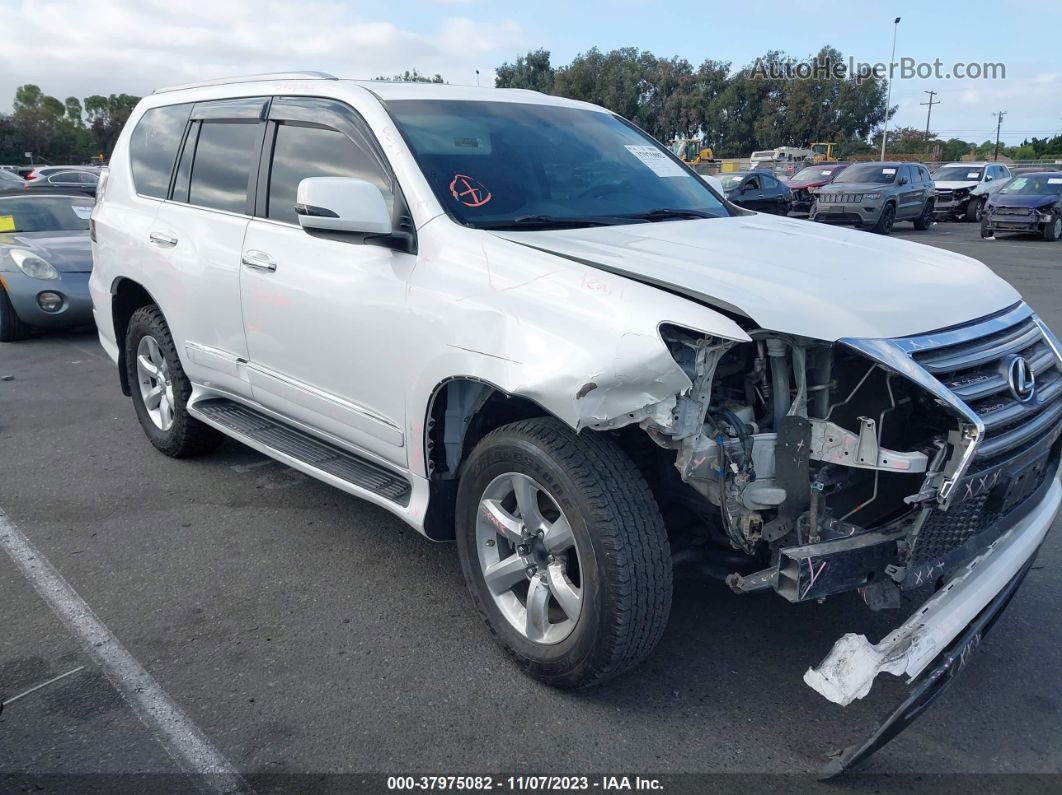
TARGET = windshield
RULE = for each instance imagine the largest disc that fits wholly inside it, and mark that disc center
(730, 181)
(10, 179)
(813, 174)
(867, 172)
(44, 213)
(957, 174)
(498, 164)
(1034, 185)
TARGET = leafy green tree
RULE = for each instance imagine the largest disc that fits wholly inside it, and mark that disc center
(532, 71)
(106, 117)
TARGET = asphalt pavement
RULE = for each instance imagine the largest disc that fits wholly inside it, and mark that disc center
(305, 633)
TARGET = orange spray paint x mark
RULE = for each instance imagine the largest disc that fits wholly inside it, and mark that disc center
(470, 192)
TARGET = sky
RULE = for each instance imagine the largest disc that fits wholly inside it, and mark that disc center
(83, 47)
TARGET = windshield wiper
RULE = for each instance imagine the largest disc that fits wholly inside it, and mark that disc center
(553, 222)
(667, 214)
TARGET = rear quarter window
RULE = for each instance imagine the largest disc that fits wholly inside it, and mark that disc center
(153, 148)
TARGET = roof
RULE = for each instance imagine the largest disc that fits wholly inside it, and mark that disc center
(388, 90)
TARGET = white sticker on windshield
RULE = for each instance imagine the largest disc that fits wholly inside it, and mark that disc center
(825, 173)
(972, 175)
(661, 164)
(82, 211)
(888, 171)
(1054, 180)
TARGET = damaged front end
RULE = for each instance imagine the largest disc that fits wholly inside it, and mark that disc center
(876, 466)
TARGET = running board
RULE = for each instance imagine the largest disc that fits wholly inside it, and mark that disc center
(295, 446)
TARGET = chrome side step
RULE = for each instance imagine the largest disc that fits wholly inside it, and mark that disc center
(272, 436)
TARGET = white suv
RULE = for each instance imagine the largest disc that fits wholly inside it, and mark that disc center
(962, 189)
(518, 321)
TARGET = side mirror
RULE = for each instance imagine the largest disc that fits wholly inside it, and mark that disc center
(342, 204)
(903, 180)
(989, 178)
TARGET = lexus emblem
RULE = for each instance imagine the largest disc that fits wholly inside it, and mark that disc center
(1021, 379)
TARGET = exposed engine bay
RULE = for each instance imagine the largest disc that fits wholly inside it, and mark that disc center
(814, 468)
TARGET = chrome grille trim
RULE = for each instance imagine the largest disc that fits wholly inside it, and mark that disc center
(963, 368)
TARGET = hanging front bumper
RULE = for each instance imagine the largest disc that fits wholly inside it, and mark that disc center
(849, 670)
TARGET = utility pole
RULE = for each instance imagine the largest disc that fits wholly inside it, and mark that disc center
(929, 111)
(888, 99)
(999, 123)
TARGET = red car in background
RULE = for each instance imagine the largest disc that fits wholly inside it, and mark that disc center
(808, 180)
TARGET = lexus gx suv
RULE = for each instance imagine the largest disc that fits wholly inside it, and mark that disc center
(518, 322)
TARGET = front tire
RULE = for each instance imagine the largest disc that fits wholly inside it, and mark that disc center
(564, 551)
(885, 220)
(12, 328)
(161, 389)
(1053, 228)
(975, 208)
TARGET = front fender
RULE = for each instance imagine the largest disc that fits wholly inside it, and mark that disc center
(581, 343)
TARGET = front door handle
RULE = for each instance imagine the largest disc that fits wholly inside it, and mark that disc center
(162, 239)
(259, 261)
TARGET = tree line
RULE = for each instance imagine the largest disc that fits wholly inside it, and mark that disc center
(733, 111)
(739, 111)
(62, 131)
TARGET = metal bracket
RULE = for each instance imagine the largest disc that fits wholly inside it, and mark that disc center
(836, 445)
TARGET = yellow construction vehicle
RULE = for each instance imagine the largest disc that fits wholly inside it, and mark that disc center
(823, 152)
(690, 150)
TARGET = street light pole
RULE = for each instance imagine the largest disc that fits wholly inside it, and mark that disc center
(888, 99)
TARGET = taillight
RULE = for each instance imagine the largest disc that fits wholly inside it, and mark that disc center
(28, 177)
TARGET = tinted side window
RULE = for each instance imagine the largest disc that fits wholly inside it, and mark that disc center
(301, 152)
(153, 148)
(224, 156)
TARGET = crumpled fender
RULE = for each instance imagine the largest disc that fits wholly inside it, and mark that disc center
(583, 344)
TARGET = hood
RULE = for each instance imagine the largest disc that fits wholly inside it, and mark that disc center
(856, 187)
(68, 252)
(1020, 200)
(791, 275)
(955, 184)
(815, 183)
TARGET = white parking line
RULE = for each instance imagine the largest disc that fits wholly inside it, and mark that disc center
(181, 738)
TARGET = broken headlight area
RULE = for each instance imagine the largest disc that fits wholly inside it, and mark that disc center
(817, 468)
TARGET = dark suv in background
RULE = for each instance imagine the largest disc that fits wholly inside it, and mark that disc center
(876, 195)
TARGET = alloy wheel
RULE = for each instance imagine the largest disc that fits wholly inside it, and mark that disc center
(528, 558)
(156, 387)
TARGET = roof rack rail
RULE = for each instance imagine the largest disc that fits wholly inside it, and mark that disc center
(221, 81)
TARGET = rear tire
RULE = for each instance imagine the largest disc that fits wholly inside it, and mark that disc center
(617, 536)
(925, 220)
(1053, 228)
(12, 328)
(179, 434)
(885, 220)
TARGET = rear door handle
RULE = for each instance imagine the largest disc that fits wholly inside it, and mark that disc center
(259, 261)
(162, 239)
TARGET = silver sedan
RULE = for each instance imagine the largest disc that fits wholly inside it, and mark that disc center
(45, 262)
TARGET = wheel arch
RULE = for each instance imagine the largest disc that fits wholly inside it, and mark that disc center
(460, 412)
(127, 296)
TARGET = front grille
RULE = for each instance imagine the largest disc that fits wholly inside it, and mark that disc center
(944, 531)
(976, 371)
(1013, 211)
(974, 363)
